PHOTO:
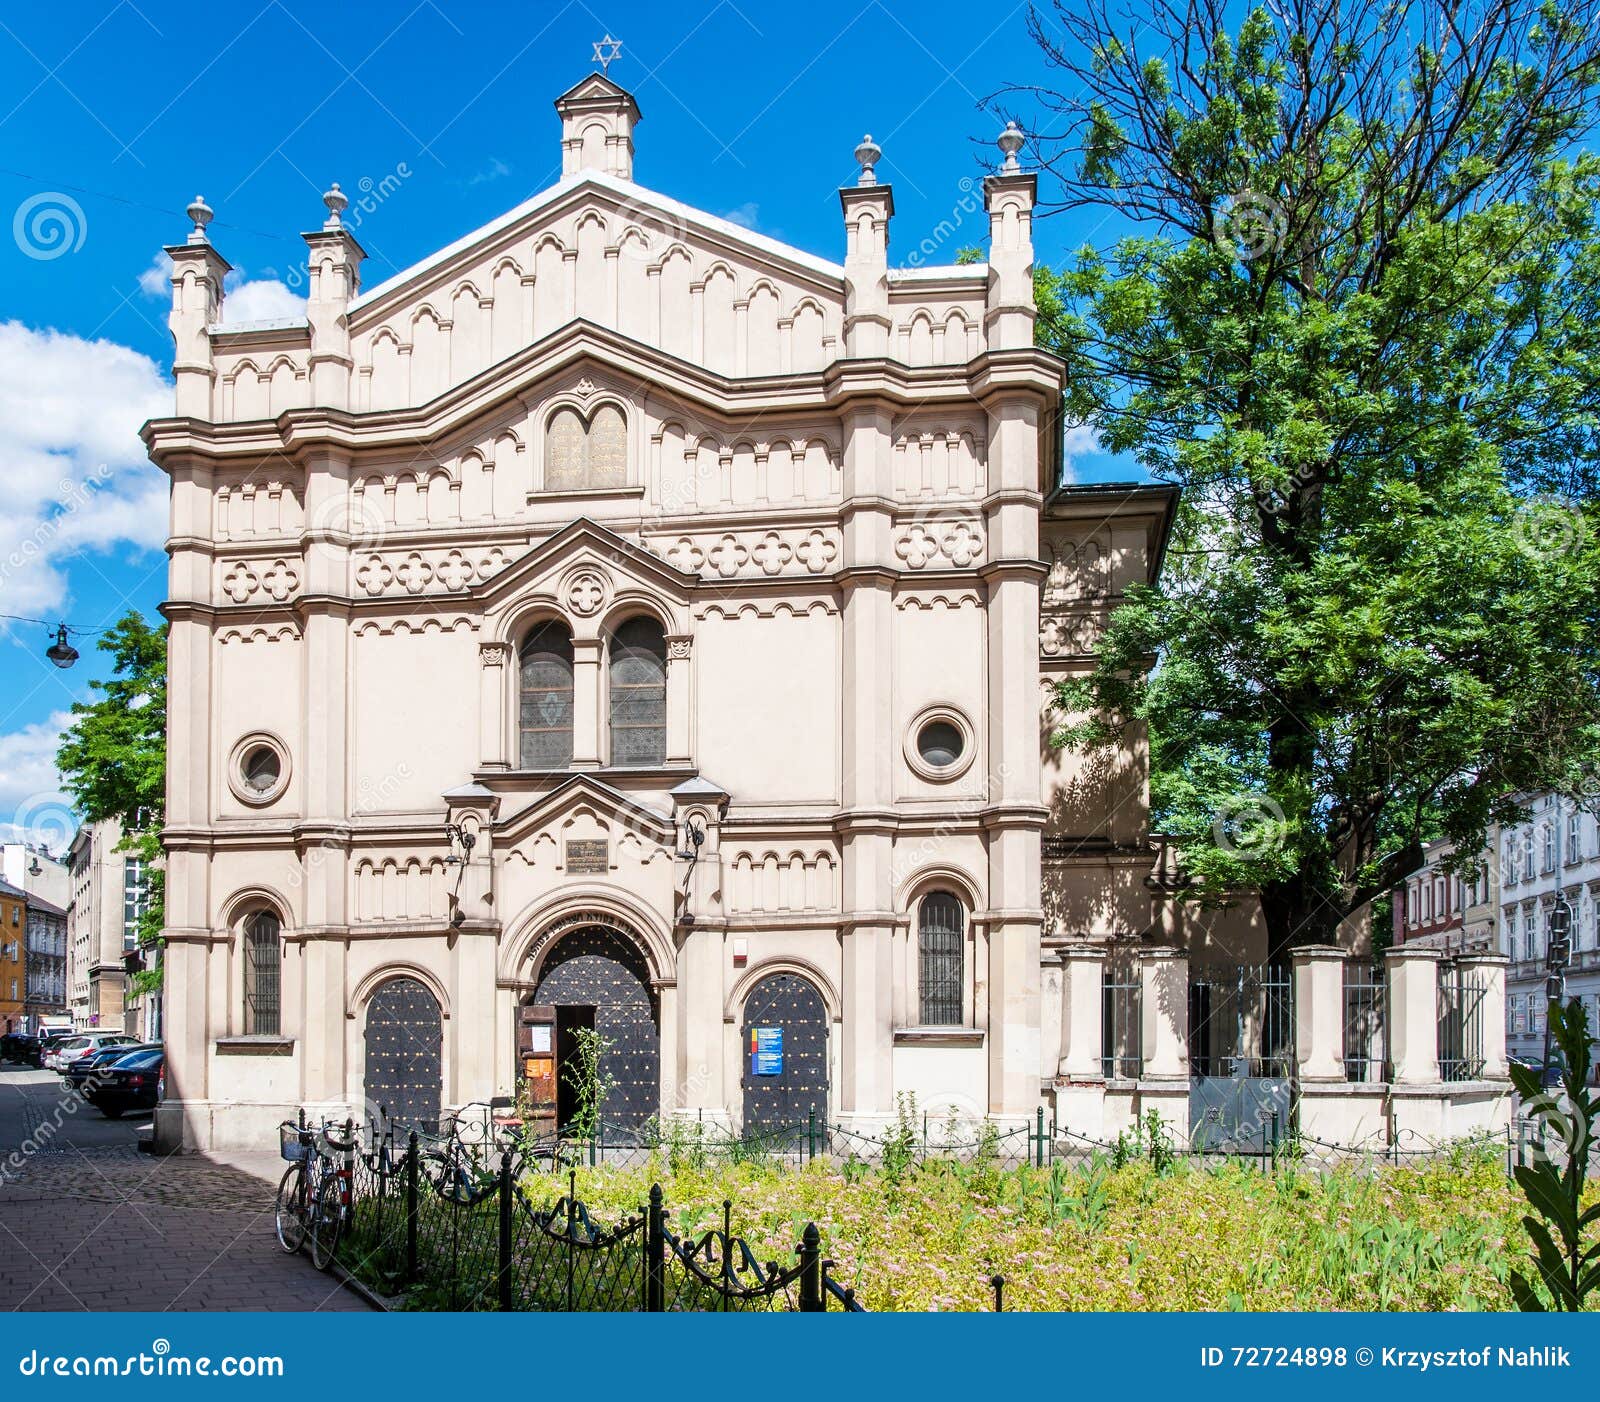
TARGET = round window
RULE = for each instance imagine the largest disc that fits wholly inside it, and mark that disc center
(940, 743)
(262, 769)
(258, 771)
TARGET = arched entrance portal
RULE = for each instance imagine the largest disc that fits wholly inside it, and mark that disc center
(785, 1052)
(593, 979)
(404, 1040)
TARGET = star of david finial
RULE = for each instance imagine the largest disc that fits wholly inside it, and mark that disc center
(607, 51)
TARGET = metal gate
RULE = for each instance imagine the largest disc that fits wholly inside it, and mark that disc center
(785, 1077)
(1241, 1056)
(1461, 995)
(404, 1042)
(599, 971)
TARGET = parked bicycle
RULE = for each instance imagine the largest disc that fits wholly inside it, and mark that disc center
(314, 1195)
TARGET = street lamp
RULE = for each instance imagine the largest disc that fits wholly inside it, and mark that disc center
(61, 652)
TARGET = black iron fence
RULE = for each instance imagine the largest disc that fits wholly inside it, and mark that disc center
(1121, 1025)
(436, 1226)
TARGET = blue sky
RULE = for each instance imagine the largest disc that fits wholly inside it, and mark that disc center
(113, 116)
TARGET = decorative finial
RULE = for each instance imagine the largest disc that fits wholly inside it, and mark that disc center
(607, 51)
(868, 154)
(200, 212)
(1010, 141)
(336, 201)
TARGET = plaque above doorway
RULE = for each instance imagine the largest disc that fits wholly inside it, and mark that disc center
(588, 855)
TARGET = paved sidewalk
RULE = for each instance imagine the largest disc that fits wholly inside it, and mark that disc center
(89, 1223)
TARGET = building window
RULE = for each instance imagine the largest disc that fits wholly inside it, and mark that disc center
(135, 901)
(1574, 852)
(586, 454)
(939, 937)
(639, 693)
(263, 963)
(546, 710)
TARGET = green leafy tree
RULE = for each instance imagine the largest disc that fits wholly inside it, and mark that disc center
(113, 760)
(1354, 315)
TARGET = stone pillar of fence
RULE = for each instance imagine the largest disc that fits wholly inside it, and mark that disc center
(1413, 975)
(1491, 970)
(1164, 1013)
(1080, 1071)
(1319, 1013)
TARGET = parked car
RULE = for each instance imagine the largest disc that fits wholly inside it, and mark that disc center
(17, 1046)
(76, 1048)
(87, 1068)
(48, 1041)
(1549, 1074)
(132, 1082)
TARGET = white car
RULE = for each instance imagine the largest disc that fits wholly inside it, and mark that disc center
(76, 1048)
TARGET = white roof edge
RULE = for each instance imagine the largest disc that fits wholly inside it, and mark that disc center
(628, 190)
(940, 272)
(276, 323)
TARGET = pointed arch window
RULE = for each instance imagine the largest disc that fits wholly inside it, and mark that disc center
(939, 959)
(586, 454)
(545, 710)
(638, 693)
(263, 967)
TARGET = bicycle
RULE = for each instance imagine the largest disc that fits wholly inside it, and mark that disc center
(314, 1194)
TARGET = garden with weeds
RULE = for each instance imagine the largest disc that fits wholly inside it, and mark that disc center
(1121, 1231)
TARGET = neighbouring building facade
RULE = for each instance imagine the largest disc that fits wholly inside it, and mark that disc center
(1439, 909)
(46, 985)
(13, 958)
(30, 867)
(108, 897)
(623, 621)
(1556, 848)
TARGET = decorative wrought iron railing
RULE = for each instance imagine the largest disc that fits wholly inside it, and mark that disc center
(448, 1226)
(1366, 1023)
(1461, 999)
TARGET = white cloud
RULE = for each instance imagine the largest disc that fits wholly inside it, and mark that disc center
(32, 805)
(156, 280)
(493, 171)
(264, 300)
(1078, 442)
(73, 471)
(744, 216)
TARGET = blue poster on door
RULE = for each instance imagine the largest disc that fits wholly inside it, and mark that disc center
(766, 1051)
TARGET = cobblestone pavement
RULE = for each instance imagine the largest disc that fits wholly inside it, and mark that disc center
(89, 1223)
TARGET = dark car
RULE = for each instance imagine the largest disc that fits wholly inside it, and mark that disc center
(131, 1082)
(18, 1046)
(1549, 1075)
(79, 1073)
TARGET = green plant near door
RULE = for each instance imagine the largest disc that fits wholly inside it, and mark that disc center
(585, 1075)
(1566, 1246)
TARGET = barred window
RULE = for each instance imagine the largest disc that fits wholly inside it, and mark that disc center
(263, 963)
(639, 693)
(546, 708)
(939, 937)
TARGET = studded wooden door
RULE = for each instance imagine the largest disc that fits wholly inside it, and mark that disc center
(781, 1091)
(597, 968)
(404, 1045)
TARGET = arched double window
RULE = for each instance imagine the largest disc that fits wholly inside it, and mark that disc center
(638, 693)
(939, 960)
(545, 711)
(586, 454)
(263, 968)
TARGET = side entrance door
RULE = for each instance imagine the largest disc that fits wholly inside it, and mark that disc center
(536, 1065)
(784, 1052)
